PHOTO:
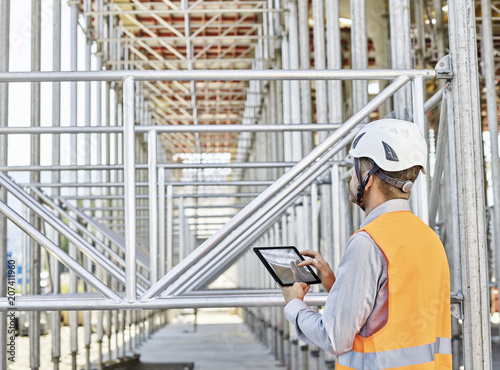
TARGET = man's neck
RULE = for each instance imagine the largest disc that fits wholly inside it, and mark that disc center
(373, 202)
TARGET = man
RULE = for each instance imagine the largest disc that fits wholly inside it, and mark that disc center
(389, 306)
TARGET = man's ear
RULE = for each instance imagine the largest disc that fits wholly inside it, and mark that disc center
(371, 182)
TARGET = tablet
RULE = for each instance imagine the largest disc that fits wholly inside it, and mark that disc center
(281, 262)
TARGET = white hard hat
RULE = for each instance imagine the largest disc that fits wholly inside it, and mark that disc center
(393, 144)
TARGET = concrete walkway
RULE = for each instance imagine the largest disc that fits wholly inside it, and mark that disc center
(220, 342)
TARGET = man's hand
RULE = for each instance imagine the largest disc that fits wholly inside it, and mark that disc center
(297, 290)
(324, 271)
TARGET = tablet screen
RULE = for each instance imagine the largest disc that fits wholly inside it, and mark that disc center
(282, 263)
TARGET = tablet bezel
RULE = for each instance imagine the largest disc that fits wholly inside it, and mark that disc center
(273, 273)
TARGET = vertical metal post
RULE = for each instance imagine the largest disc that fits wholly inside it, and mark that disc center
(470, 197)
(334, 59)
(293, 54)
(305, 63)
(129, 188)
(4, 122)
(35, 252)
(419, 21)
(153, 207)
(99, 142)
(335, 99)
(25, 254)
(401, 52)
(55, 316)
(359, 45)
(336, 200)
(314, 217)
(108, 333)
(170, 227)
(73, 315)
(439, 27)
(421, 197)
(287, 136)
(182, 230)
(87, 315)
(320, 63)
(161, 220)
(491, 106)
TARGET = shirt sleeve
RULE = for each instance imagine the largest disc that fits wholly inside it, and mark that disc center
(349, 303)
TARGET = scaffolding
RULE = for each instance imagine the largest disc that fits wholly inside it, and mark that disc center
(208, 127)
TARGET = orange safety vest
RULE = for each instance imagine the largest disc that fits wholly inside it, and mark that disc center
(417, 334)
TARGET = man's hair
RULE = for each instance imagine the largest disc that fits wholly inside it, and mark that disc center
(390, 191)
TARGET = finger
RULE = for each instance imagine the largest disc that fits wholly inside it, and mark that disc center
(313, 262)
(313, 254)
(309, 253)
(307, 289)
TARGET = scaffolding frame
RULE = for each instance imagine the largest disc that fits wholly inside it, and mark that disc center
(144, 104)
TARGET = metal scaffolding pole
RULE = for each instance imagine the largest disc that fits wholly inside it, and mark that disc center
(129, 180)
(4, 122)
(294, 85)
(359, 56)
(335, 106)
(55, 317)
(470, 197)
(161, 221)
(153, 207)
(401, 52)
(73, 316)
(170, 227)
(492, 112)
(35, 252)
(420, 197)
(305, 63)
(217, 75)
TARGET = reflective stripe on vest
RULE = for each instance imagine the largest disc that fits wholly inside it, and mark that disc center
(396, 357)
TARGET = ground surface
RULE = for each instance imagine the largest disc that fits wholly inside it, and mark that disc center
(220, 342)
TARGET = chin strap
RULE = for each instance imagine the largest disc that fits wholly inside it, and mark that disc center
(405, 186)
(362, 184)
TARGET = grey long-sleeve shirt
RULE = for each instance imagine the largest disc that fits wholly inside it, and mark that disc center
(357, 302)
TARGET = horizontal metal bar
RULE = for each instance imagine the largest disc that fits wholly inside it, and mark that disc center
(210, 62)
(200, 299)
(46, 303)
(167, 166)
(109, 167)
(139, 196)
(194, 39)
(217, 206)
(145, 208)
(171, 128)
(183, 11)
(145, 184)
(217, 75)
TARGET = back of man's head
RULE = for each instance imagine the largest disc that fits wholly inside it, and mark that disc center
(399, 151)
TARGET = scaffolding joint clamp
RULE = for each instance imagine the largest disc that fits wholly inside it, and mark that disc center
(443, 68)
(457, 307)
